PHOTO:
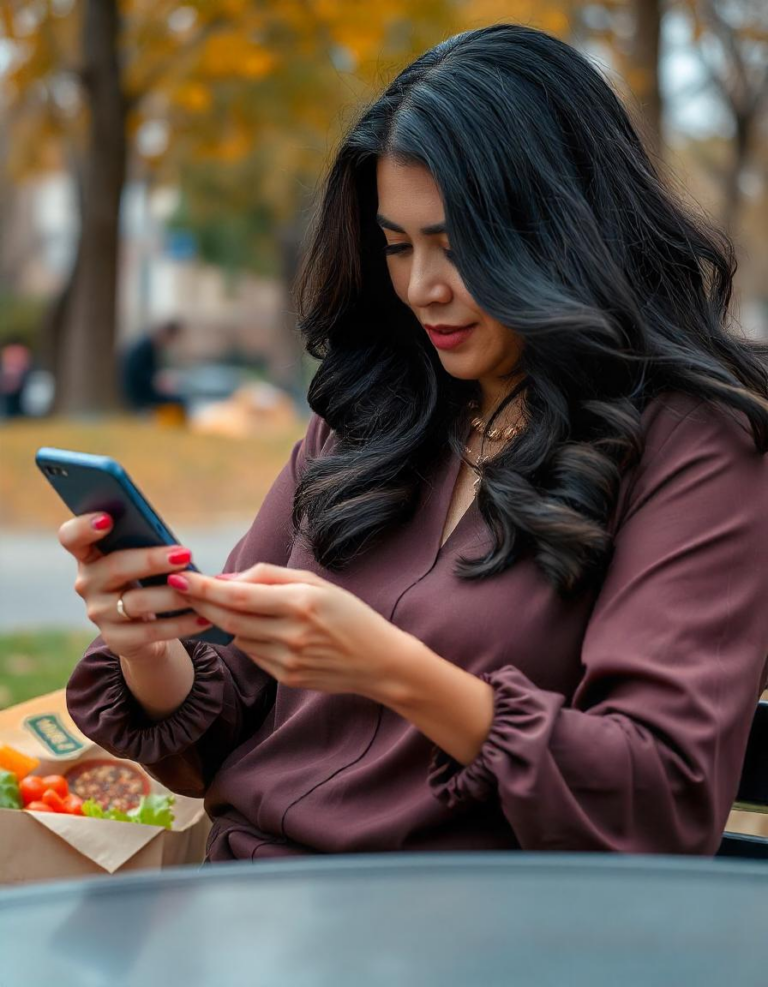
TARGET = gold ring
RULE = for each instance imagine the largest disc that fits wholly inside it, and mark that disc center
(121, 609)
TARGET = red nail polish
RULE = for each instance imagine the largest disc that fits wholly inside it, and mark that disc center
(202, 622)
(181, 556)
(178, 582)
(102, 522)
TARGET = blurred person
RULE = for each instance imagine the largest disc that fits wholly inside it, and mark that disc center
(16, 365)
(508, 592)
(141, 362)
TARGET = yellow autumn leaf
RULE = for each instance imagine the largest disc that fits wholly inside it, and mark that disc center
(258, 63)
(555, 21)
(233, 147)
(328, 10)
(193, 97)
(232, 8)
(226, 53)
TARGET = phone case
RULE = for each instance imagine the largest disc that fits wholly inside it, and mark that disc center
(88, 483)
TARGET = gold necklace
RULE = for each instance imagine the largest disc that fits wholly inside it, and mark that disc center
(495, 434)
(506, 432)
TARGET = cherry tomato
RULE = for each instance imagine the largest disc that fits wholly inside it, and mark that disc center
(73, 805)
(38, 807)
(53, 800)
(31, 788)
(58, 783)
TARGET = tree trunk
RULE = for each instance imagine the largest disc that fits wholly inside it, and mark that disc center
(86, 377)
(645, 59)
(741, 152)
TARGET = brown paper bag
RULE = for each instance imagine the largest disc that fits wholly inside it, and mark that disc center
(45, 846)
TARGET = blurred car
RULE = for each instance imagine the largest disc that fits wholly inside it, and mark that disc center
(203, 383)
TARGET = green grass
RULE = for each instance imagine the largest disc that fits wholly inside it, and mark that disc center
(32, 664)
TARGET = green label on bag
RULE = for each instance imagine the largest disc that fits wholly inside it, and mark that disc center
(51, 732)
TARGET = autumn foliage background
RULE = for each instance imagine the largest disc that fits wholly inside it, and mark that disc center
(238, 104)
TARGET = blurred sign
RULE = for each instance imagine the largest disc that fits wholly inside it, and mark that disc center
(180, 245)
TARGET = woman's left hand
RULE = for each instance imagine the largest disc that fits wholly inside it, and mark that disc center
(304, 631)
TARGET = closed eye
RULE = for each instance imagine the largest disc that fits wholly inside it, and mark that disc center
(398, 248)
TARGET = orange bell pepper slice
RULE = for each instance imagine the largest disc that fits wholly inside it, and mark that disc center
(20, 764)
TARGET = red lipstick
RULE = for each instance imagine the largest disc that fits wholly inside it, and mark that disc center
(447, 337)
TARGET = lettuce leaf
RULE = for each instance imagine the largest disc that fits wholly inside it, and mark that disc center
(95, 810)
(153, 810)
(10, 796)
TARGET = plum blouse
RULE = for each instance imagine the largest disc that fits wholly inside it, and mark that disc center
(620, 717)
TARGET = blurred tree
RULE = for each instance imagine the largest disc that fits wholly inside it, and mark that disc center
(630, 31)
(243, 91)
(732, 38)
(643, 69)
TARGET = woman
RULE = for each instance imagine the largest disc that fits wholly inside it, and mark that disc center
(509, 590)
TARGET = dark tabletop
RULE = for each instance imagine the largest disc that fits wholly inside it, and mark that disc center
(477, 919)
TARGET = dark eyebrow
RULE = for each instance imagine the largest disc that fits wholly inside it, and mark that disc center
(433, 230)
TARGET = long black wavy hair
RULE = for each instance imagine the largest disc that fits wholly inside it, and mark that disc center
(562, 230)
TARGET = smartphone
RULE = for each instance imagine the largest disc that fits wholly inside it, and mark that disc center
(88, 483)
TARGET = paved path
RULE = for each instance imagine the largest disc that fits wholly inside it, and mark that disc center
(36, 575)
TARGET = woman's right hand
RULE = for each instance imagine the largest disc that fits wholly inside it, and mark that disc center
(103, 579)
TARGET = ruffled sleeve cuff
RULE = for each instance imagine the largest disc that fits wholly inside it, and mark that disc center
(523, 718)
(105, 710)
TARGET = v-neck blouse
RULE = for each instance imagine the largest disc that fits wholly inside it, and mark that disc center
(620, 717)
